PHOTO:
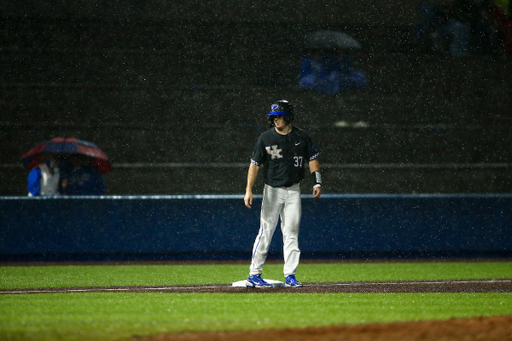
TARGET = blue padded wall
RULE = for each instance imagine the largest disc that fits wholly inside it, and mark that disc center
(221, 227)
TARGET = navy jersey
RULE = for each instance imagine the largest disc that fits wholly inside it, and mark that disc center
(283, 156)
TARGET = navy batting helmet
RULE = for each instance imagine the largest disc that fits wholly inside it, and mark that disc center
(281, 107)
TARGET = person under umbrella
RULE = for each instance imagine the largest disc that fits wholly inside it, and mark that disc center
(44, 178)
(80, 177)
(79, 165)
(326, 65)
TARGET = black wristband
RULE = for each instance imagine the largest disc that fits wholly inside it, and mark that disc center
(317, 177)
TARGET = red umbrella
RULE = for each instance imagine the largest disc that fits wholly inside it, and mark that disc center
(63, 146)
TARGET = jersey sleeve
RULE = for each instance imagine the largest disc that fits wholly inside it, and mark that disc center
(312, 150)
(258, 154)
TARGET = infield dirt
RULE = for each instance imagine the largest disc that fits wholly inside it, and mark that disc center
(481, 329)
(437, 286)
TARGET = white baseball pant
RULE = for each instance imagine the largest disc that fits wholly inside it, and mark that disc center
(284, 203)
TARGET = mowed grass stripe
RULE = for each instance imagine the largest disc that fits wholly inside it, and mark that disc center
(20, 277)
(114, 316)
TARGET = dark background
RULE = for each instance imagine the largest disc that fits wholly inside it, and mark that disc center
(175, 93)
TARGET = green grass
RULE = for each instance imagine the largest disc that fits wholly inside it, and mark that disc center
(110, 316)
(114, 316)
(119, 275)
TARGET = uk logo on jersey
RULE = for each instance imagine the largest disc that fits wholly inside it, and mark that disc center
(274, 152)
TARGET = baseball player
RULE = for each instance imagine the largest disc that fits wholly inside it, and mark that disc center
(282, 152)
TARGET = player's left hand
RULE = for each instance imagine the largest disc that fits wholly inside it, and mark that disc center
(317, 192)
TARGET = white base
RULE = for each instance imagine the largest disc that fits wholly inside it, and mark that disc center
(273, 283)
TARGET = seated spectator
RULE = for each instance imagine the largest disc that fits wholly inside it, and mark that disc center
(452, 32)
(44, 178)
(457, 27)
(80, 177)
(330, 72)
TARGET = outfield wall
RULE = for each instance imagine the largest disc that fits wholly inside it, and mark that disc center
(221, 227)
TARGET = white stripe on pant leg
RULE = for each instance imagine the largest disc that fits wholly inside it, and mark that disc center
(270, 209)
(290, 226)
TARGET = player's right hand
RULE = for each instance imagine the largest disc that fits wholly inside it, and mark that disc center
(248, 199)
(317, 192)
